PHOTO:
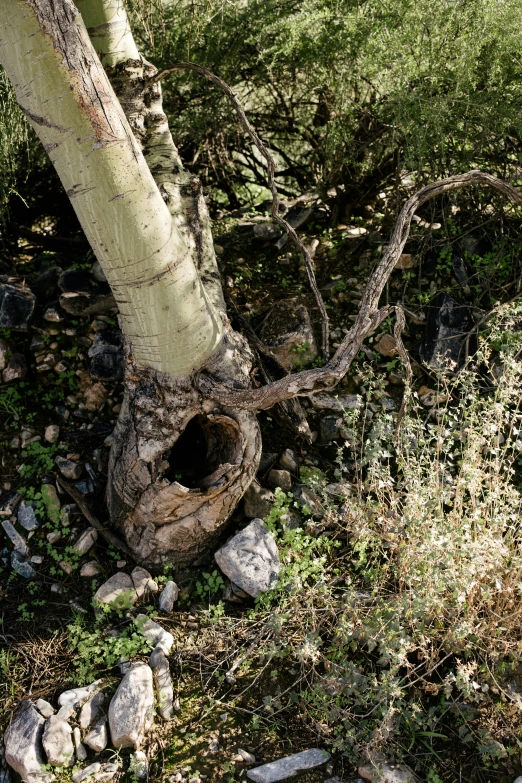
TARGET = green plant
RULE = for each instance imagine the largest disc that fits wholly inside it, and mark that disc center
(211, 583)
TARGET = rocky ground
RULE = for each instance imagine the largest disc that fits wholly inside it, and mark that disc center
(72, 671)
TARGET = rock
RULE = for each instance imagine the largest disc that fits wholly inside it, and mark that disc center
(54, 537)
(98, 273)
(86, 541)
(46, 284)
(386, 345)
(118, 590)
(26, 516)
(51, 502)
(258, 501)
(330, 428)
(91, 710)
(338, 403)
(23, 744)
(17, 303)
(37, 559)
(139, 765)
(77, 696)
(53, 313)
(131, 709)
(307, 499)
(16, 368)
(280, 478)
(68, 468)
(5, 352)
(19, 543)
(143, 582)
(29, 435)
(86, 772)
(448, 322)
(296, 217)
(90, 569)
(287, 332)
(106, 355)
(267, 460)
(388, 773)
(81, 751)
(290, 765)
(21, 566)
(95, 396)
(288, 461)
(251, 559)
(168, 596)
(10, 504)
(405, 261)
(52, 433)
(81, 295)
(5, 775)
(247, 757)
(154, 633)
(162, 683)
(57, 742)
(97, 739)
(44, 708)
(338, 490)
(266, 231)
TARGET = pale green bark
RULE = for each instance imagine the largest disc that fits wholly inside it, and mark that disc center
(109, 30)
(61, 86)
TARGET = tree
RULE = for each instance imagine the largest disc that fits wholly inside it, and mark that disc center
(96, 105)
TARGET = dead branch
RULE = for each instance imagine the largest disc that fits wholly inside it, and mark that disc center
(369, 317)
(276, 217)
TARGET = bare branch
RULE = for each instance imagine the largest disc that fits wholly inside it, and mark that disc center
(276, 217)
(310, 381)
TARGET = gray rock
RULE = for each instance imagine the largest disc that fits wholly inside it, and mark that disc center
(139, 765)
(266, 231)
(143, 582)
(96, 739)
(57, 742)
(17, 303)
(78, 696)
(162, 683)
(44, 708)
(10, 504)
(330, 428)
(388, 773)
(337, 403)
(86, 541)
(68, 468)
(91, 710)
(98, 273)
(52, 433)
(307, 499)
(16, 369)
(53, 314)
(19, 543)
(22, 567)
(23, 744)
(338, 490)
(81, 750)
(290, 765)
(258, 501)
(5, 776)
(106, 356)
(131, 709)
(251, 559)
(168, 596)
(154, 633)
(26, 516)
(287, 332)
(86, 772)
(280, 478)
(90, 569)
(448, 322)
(119, 589)
(288, 461)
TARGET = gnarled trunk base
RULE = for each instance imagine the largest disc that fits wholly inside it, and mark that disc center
(180, 463)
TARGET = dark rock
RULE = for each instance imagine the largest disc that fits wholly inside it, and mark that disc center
(461, 273)
(280, 478)
(46, 285)
(288, 461)
(287, 332)
(98, 273)
(106, 356)
(308, 500)
(17, 303)
(88, 439)
(62, 412)
(267, 460)
(68, 468)
(81, 295)
(266, 231)
(53, 314)
(86, 487)
(448, 324)
(258, 501)
(16, 368)
(9, 504)
(330, 428)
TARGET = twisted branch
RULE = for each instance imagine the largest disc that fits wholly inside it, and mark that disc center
(276, 217)
(310, 381)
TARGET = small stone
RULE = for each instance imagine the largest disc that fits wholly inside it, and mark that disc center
(52, 433)
(29, 435)
(26, 516)
(168, 596)
(86, 541)
(139, 765)
(53, 537)
(154, 633)
(19, 543)
(288, 461)
(121, 563)
(387, 345)
(95, 396)
(287, 332)
(280, 478)
(118, 590)
(68, 468)
(22, 567)
(131, 710)
(388, 773)
(91, 709)
(78, 696)
(290, 765)
(162, 683)
(247, 757)
(405, 261)
(81, 750)
(251, 559)
(52, 314)
(338, 403)
(37, 560)
(98, 273)
(56, 588)
(10, 504)
(308, 500)
(86, 772)
(97, 738)
(330, 428)
(90, 569)
(338, 490)
(258, 501)
(106, 356)
(44, 708)
(65, 566)
(22, 742)
(16, 368)
(143, 582)
(57, 742)
(51, 502)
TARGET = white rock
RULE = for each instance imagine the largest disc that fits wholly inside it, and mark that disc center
(163, 683)
(23, 744)
(52, 433)
(86, 541)
(85, 773)
(96, 739)
(118, 590)
(81, 751)
(92, 568)
(91, 710)
(78, 696)
(251, 559)
(139, 765)
(287, 767)
(154, 633)
(131, 710)
(44, 708)
(388, 773)
(143, 582)
(57, 742)
(168, 596)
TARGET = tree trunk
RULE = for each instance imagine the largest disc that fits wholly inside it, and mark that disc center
(152, 237)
